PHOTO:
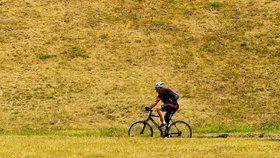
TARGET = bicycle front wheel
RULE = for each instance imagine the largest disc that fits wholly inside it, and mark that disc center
(180, 129)
(140, 129)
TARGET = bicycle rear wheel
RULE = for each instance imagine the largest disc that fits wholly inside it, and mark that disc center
(140, 129)
(180, 129)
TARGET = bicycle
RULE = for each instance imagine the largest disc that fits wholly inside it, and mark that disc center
(174, 129)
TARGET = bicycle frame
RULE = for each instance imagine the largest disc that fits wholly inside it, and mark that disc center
(150, 117)
(172, 130)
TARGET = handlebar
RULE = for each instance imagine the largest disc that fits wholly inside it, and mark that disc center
(148, 109)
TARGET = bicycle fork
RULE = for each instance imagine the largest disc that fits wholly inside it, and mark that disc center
(143, 129)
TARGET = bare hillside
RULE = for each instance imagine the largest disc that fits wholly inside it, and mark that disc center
(73, 64)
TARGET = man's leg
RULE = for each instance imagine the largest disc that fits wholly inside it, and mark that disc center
(161, 115)
(170, 111)
(168, 116)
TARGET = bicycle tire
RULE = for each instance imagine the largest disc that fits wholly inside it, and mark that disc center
(180, 129)
(140, 129)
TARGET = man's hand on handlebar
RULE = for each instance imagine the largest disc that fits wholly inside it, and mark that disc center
(147, 108)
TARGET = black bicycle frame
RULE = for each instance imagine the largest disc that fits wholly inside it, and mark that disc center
(150, 117)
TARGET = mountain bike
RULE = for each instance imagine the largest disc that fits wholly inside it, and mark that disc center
(174, 129)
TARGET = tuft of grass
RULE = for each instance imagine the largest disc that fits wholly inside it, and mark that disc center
(43, 56)
(75, 52)
(243, 43)
(104, 36)
(209, 47)
(2, 131)
(216, 5)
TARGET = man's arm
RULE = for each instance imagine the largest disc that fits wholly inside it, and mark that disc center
(155, 101)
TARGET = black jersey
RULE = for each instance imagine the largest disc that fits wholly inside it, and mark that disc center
(167, 95)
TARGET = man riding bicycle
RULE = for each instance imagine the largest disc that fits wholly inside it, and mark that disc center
(169, 98)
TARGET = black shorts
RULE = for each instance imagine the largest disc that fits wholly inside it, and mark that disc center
(170, 107)
(170, 111)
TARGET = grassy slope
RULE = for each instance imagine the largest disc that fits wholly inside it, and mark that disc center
(114, 147)
(81, 65)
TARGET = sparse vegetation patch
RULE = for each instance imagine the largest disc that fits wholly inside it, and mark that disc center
(75, 52)
(216, 5)
(243, 43)
(43, 56)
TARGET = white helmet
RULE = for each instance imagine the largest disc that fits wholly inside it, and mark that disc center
(159, 85)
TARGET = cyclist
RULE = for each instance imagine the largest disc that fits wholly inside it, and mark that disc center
(169, 98)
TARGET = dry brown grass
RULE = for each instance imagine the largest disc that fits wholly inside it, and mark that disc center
(123, 147)
(85, 64)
